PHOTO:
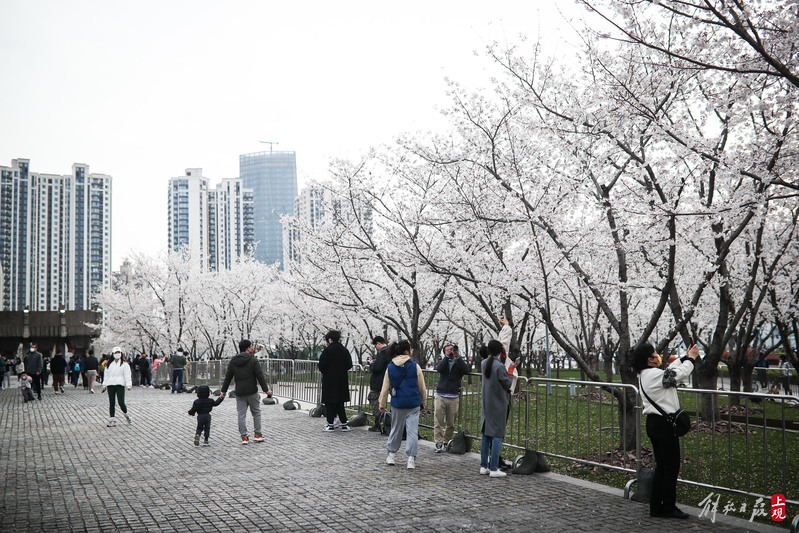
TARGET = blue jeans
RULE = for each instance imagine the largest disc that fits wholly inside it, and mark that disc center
(495, 443)
(177, 377)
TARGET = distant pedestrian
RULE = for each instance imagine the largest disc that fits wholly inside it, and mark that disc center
(144, 369)
(3, 375)
(494, 413)
(45, 369)
(104, 360)
(34, 365)
(202, 408)
(24, 382)
(762, 371)
(92, 365)
(404, 382)
(178, 362)
(247, 372)
(58, 367)
(115, 380)
(76, 368)
(334, 364)
(19, 367)
(82, 362)
(378, 368)
(786, 368)
(157, 361)
(450, 370)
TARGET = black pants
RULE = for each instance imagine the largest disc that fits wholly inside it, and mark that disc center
(204, 425)
(37, 384)
(335, 409)
(762, 376)
(667, 464)
(145, 377)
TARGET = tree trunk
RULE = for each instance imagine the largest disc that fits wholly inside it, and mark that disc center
(708, 379)
(626, 417)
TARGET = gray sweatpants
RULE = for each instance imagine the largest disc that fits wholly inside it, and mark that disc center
(407, 419)
(253, 402)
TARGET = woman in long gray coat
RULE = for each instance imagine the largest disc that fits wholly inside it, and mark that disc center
(494, 416)
(334, 364)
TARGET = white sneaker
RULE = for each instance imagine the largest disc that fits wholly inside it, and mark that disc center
(497, 473)
(112, 422)
(483, 470)
(91, 391)
(127, 417)
(411, 463)
(390, 459)
(328, 428)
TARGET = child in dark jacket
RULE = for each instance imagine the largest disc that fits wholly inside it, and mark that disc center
(202, 407)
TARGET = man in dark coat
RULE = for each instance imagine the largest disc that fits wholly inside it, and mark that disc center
(58, 367)
(334, 364)
(34, 365)
(450, 370)
(247, 372)
(378, 368)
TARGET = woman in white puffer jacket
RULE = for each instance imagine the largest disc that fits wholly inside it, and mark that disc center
(116, 379)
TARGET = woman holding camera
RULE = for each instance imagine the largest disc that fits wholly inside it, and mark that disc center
(661, 387)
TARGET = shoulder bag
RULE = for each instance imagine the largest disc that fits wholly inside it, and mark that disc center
(680, 421)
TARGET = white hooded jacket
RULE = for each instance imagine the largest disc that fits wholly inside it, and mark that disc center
(117, 373)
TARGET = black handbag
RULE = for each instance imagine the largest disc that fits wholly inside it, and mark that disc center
(680, 421)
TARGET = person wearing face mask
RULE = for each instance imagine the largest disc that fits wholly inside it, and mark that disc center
(115, 380)
(660, 386)
(34, 364)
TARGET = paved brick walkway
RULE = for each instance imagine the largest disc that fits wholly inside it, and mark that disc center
(64, 470)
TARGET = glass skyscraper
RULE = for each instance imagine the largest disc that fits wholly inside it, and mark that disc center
(272, 176)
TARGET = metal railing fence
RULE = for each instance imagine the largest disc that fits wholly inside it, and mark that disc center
(742, 443)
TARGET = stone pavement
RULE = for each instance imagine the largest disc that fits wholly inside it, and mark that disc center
(64, 470)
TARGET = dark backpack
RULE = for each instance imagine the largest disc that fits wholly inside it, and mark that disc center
(531, 462)
(384, 423)
(645, 479)
(460, 443)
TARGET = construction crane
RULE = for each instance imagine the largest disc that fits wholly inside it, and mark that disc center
(270, 143)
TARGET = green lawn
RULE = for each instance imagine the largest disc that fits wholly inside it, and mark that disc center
(581, 422)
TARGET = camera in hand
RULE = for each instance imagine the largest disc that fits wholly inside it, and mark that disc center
(454, 351)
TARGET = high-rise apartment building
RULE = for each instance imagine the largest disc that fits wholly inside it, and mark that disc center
(216, 224)
(272, 176)
(317, 205)
(55, 238)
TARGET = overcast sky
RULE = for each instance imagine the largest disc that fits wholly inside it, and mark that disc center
(143, 90)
